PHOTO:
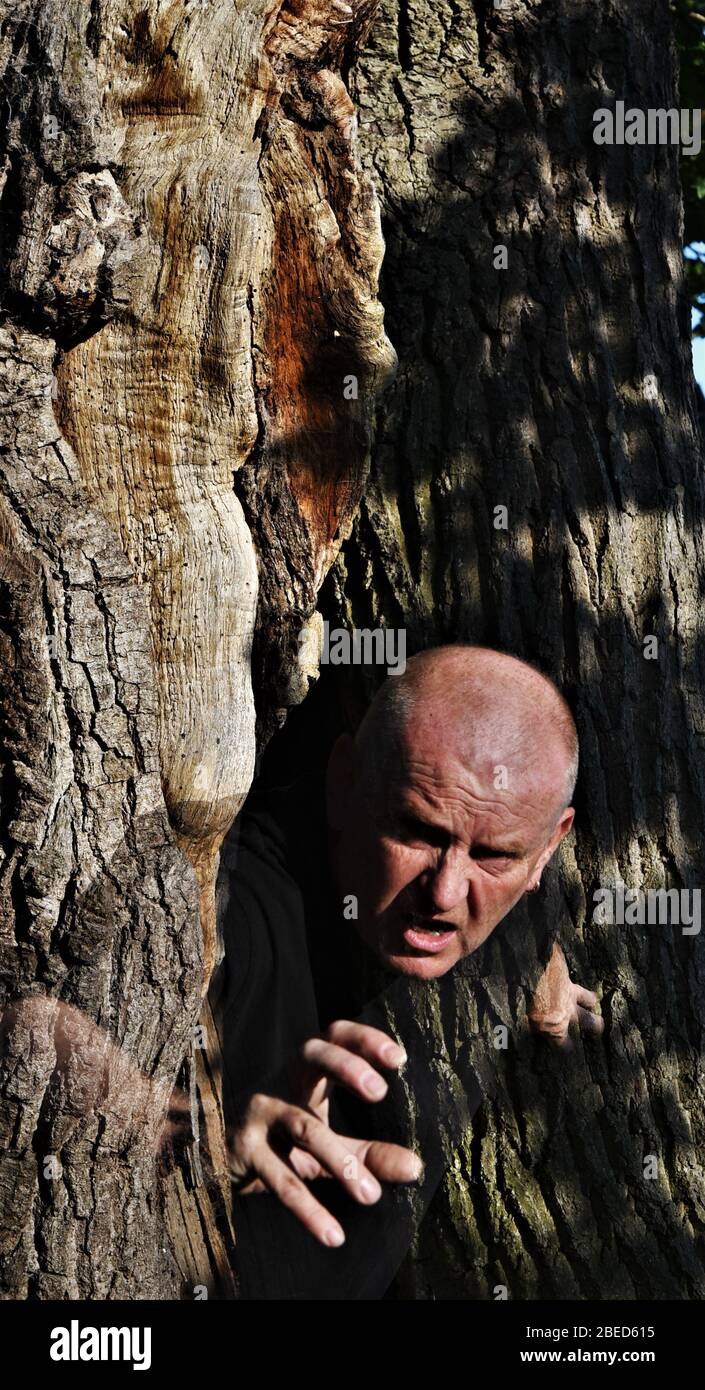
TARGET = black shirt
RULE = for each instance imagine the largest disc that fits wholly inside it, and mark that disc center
(291, 966)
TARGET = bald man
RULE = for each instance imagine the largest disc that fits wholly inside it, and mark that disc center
(440, 815)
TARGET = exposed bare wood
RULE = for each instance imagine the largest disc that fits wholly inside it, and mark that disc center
(190, 257)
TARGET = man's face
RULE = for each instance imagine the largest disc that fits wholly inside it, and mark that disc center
(437, 855)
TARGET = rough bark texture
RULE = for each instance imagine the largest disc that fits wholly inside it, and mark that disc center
(190, 254)
(190, 251)
(562, 389)
(99, 909)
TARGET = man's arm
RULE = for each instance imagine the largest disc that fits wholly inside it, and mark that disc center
(278, 1257)
(283, 1139)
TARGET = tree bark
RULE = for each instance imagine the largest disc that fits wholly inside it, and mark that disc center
(560, 388)
(190, 255)
(191, 249)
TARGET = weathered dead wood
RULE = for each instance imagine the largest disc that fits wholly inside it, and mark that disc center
(190, 256)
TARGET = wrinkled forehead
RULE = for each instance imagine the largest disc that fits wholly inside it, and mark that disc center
(486, 758)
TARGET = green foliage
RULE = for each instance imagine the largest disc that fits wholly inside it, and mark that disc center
(689, 23)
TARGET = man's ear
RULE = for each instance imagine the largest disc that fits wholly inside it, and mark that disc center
(563, 825)
(340, 779)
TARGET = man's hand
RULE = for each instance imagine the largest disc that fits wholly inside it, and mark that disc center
(559, 1003)
(281, 1142)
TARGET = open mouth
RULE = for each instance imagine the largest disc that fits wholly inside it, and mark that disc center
(427, 936)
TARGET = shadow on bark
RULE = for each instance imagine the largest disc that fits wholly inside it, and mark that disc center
(560, 388)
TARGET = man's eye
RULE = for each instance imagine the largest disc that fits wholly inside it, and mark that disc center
(494, 858)
(408, 828)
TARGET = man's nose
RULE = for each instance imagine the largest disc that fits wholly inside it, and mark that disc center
(448, 882)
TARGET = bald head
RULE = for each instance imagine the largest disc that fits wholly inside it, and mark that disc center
(450, 803)
(490, 706)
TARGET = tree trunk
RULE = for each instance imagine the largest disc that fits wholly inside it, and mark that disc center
(190, 256)
(561, 389)
(191, 249)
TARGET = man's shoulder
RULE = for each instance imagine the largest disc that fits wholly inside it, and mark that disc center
(280, 825)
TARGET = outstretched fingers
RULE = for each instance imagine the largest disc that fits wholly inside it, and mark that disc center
(339, 1156)
(280, 1178)
(283, 1146)
(344, 1068)
(389, 1162)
